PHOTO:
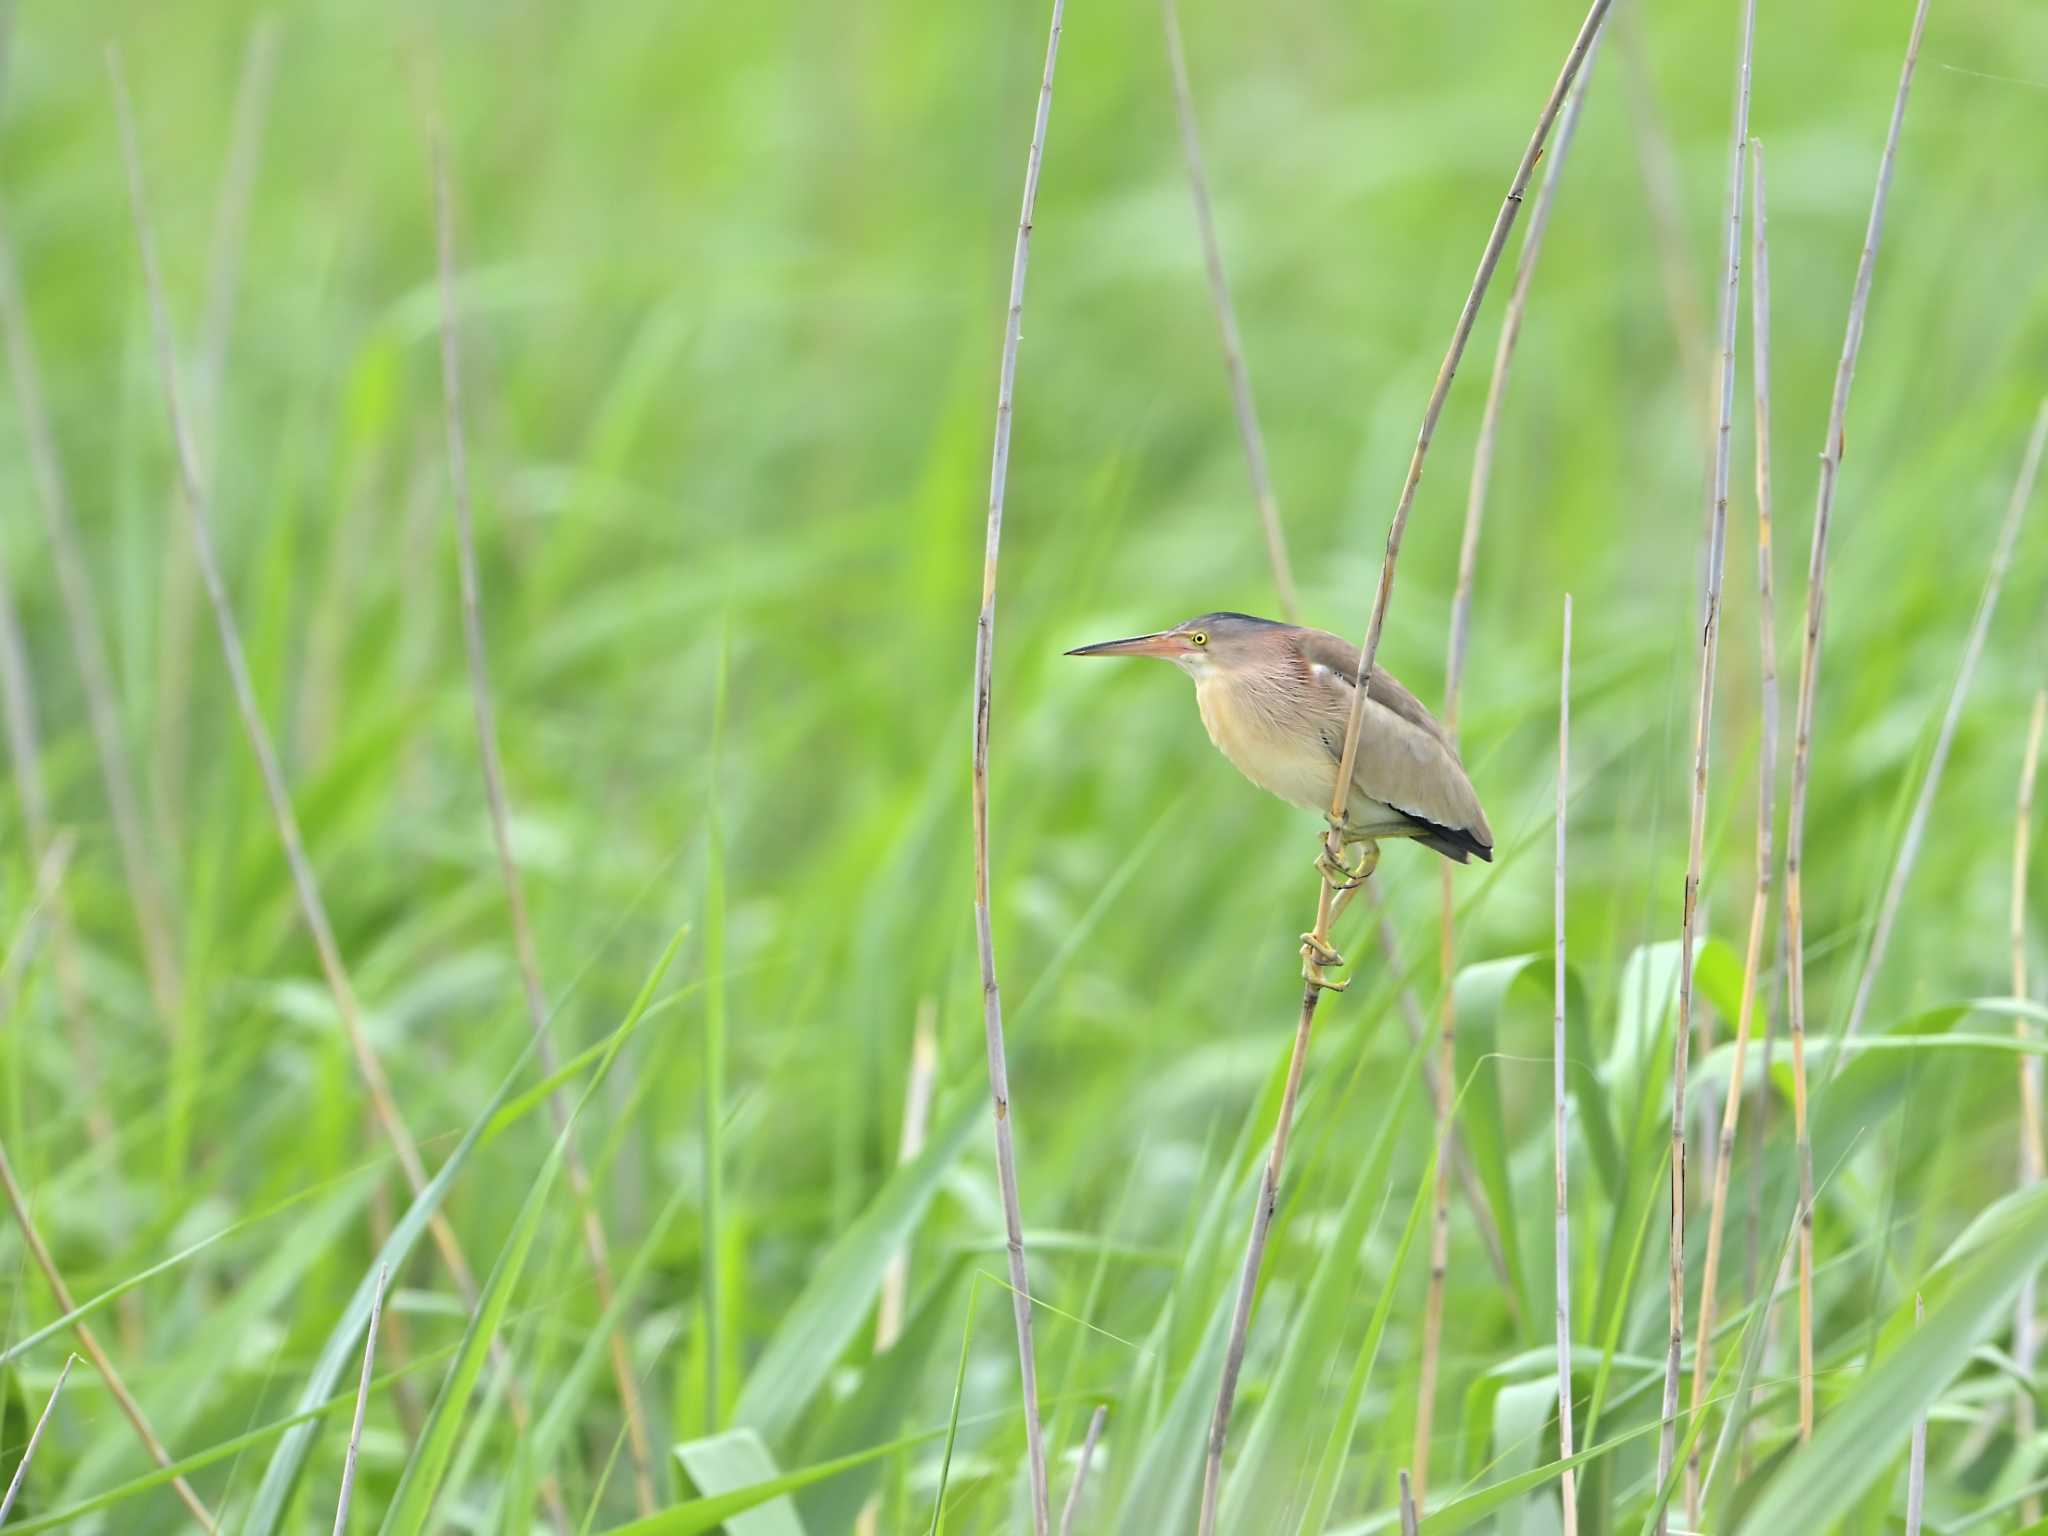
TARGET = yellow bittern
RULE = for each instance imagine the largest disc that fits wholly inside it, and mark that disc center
(1276, 699)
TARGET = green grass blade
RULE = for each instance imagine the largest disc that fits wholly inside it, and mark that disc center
(1854, 1443)
(844, 1284)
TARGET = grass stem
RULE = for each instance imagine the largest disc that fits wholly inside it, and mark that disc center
(1703, 734)
(2026, 1338)
(35, 1437)
(355, 1430)
(590, 1223)
(1809, 678)
(1568, 1485)
(1081, 1469)
(984, 658)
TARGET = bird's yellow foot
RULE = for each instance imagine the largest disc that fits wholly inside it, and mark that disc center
(1348, 877)
(1317, 957)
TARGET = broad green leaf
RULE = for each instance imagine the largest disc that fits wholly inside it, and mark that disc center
(1856, 1441)
(825, 1317)
(734, 1460)
(877, 1406)
(1468, 1509)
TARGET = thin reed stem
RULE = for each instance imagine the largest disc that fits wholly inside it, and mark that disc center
(169, 760)
(588, 1219)
(1930, 783)
(1766, 808)
(1327, 903)
(153, 920)
(1664, 197)
(35, 1438)
(1454, 678)
(89, 1342)
(1703, 735)
(1081, 1470)
(1568, 1484)
(1226, 321)
(1916, 1458)
(1809, 677)
(917, 1110)
(304, 883)
(355, 1429)
(2026, 1338)
(984, 658)
(1409, 1523)
(25, 757)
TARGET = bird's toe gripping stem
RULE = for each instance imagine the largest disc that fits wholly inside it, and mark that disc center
(1348, 877)
(1317, 957)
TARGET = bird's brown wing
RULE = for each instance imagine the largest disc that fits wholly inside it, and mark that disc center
(1405, 757)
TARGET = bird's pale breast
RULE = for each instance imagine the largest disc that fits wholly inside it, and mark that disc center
(1293, 764)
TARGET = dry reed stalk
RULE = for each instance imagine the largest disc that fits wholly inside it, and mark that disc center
(984, 658)
(35, 1436)
(1802, 742)
(153, 919)
(1766, 807)
(355, 1430)
(1703, 733)
(1081, 1470)
(25, 756)
(89, 1341)
(917, 1111)
(595, 1244)
(1226, 321)
(1658, 162)
(2026, 1341)
(305, 885)
(1454, 677)
(1417, 1024)
(1563, 1239)
(1930, 783)
(1327, 902)
(225, 246)
(1409, 1523)
(1916, 1458)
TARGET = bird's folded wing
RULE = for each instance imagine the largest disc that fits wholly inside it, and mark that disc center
(1405, 757)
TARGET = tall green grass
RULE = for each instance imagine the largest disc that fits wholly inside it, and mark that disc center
(731, 305)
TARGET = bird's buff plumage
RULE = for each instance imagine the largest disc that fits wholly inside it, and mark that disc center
(1276, 699)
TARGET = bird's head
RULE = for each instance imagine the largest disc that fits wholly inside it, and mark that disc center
(1215, 642)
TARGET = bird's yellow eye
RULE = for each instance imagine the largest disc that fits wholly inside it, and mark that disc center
(1198, 638)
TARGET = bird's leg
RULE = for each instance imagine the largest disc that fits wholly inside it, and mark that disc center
(1344, 880)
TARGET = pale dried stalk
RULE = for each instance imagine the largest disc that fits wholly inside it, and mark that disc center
(1916, 1458)
(2026, 1340)
(355, 1430)
(1930, 784)
(1409, 1524)
(1226, 321)
(917, 1110)
(1313, 984)
(1702, 751)
(305, 885)
(153, 921)
(1417, 1024)
(591, 1225)
(1081, 1471)
(1454, 677)
(1563, 1239)
(89, 1342)
(35, 1436)
(25, 755)
(223, 280)
(984, 657)
(1802, 741)
(1658, 162)
(1766, 804)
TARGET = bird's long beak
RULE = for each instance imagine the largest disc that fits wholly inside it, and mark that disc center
(1165, 643)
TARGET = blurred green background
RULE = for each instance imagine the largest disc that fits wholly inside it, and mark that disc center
(731, 288)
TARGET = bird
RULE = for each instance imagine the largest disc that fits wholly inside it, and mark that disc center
(1276, 700)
